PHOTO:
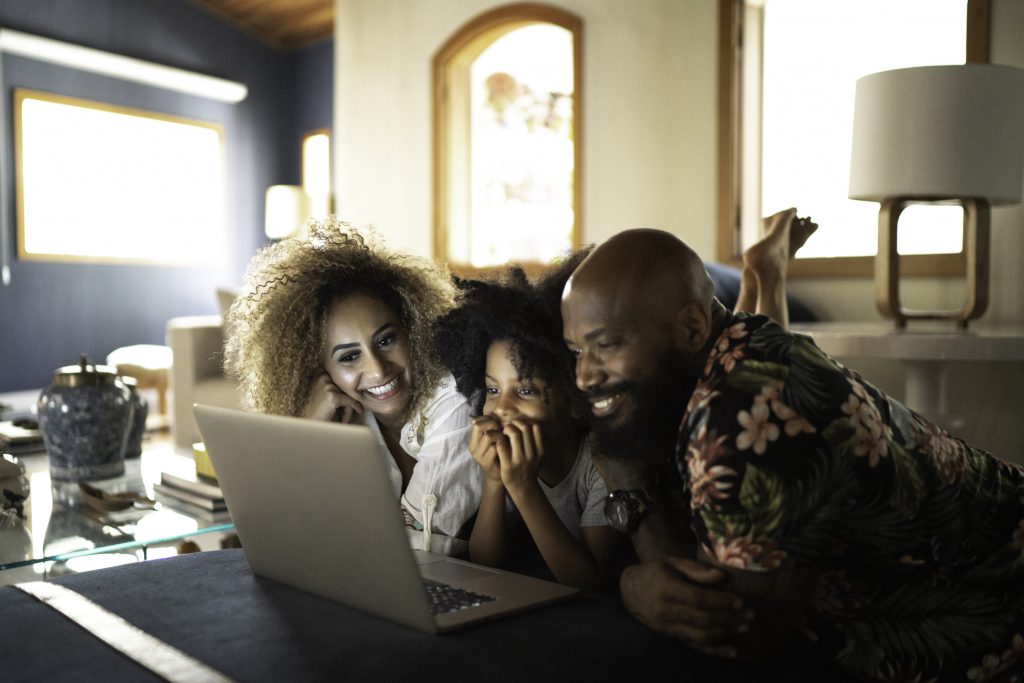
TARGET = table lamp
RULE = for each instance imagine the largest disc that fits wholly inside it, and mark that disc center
(938, 134)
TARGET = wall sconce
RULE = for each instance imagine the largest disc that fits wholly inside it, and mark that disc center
(938, 134)
(287, 209)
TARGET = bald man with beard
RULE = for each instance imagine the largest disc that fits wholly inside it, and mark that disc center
(771, 492)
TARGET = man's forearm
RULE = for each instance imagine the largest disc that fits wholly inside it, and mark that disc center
(664, 530)
(659, 535)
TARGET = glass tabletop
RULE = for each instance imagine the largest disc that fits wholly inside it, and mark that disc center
(61, 533)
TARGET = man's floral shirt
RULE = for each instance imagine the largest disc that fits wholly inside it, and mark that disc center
(791, 459)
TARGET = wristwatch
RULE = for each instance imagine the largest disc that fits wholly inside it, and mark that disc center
(624, 509)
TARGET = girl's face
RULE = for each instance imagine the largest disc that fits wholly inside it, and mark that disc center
(508, 397)
(367, 355)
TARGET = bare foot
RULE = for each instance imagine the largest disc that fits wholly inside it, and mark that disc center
(782, 232)
(769, 257)
(799, 231)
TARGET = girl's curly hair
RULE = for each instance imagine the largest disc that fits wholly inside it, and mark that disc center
(527, 316)
(276, 328)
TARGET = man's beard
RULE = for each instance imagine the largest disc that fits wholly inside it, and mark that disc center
(649, 432)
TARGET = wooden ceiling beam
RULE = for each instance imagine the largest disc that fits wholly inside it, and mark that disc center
(283, 24)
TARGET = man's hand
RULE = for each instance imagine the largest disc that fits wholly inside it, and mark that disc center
(676, 597)
(485, 433)
(328, 403)
(519, 454)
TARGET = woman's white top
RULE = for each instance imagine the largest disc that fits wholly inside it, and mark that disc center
(444, 489)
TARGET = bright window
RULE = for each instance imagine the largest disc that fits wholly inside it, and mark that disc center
(800, 63)
(522, 147)
(100, 183)
(507, 154)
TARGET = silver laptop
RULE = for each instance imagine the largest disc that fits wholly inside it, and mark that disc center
(313, 507)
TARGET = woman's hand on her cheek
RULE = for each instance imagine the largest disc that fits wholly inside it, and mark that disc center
(328, 403)
(349, 410)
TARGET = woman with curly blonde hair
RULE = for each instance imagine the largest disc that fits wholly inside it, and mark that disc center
(333, 326)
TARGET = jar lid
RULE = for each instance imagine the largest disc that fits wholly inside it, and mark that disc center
(85, 374)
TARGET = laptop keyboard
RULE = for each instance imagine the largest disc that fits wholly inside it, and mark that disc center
(444, 598)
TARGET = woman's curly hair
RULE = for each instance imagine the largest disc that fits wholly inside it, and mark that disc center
(524, 314)
(276, 327)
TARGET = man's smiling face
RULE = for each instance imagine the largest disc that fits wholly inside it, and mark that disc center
(626, 363)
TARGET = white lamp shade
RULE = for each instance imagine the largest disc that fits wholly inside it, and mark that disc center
(287, 208)
(939, 132)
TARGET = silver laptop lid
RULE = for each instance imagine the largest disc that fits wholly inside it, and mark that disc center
(313, 507)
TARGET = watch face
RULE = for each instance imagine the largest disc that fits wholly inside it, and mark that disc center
(620, 510)
(617, 512)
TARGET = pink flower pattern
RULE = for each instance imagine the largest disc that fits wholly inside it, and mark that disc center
(708, 485)
(947, 454)
(871, 435)
(757, 429)
(701, 397)
(742, 552)
(793, 422)
(721, 353)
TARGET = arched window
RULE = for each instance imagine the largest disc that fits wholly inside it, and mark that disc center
(507, 138)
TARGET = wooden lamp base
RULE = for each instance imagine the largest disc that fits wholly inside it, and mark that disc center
(977, 241)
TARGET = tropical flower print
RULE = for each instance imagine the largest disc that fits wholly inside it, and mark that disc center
(948, 455)
(722, 353)
(870, 433)
(993, 665)
(744, 553)
(700, 398)
(758, 430)
(790, 459)
(708, 485)
(793, 422)
(835, 594)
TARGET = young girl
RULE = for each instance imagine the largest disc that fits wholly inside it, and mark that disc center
(333, 326)
(504, 346)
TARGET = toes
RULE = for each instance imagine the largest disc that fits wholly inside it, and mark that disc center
(800, 232)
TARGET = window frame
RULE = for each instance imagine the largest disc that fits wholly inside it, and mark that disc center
(458, 52)
(730, 146)
(20, 95)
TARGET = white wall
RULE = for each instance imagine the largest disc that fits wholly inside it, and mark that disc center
(648, 114)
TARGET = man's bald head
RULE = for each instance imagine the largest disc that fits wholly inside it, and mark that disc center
(638, 314)
(647, 267)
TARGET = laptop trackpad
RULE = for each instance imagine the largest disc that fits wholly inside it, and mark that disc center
(448, 570)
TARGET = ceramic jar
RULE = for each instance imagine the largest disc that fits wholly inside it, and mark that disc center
(140, 411)
(85, 417)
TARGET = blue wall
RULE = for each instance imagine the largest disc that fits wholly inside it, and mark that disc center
(52, 312)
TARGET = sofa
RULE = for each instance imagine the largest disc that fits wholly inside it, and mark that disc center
(197, 375)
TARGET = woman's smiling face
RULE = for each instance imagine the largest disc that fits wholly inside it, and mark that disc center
(367, 355)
